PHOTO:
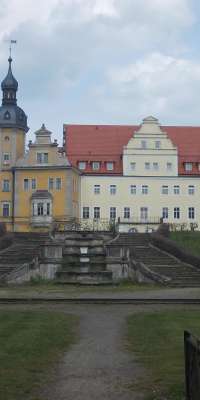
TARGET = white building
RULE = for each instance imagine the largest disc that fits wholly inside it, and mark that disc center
(138, 174)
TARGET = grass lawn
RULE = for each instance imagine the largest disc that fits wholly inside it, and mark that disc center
(157, 341)
(52, 289)
(30, 344)
(190, 241)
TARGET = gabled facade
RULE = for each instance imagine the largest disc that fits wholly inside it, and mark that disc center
(46, 186)
(151, 176)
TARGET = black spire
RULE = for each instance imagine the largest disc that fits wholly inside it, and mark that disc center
(9, 87)
(11, 116)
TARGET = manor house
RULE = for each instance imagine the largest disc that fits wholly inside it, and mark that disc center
(134, 175)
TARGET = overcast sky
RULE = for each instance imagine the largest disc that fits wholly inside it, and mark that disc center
(104, 61)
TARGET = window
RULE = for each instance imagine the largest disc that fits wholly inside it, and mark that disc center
(42, 158)
(191, 213)
(97, 189)
(157, 144)
(165, 212)
(147, 165)
(126, 212)
(82, 165)
(7, 114)
(40, 209)
(176, 189)
(6, 209)
(26, 184)
(144, 213)
(165, 189)
(145, 189)
(143, 144)
(155, 166)
(6, 158)
(33, 184)
(58, 183)
(96, 212)
(51, 183)
(48, 208)
(113, 189)
(86, 212)
(191, 189)
(133, 189)
(169, 166)
(95, 165)
(188, 166)
(132, 165)
(6, 185)
(176, 212)
(112, 212)
(109, 166)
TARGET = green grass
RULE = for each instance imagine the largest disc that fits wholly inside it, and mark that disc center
(52, 289)
(30, 344)
(157, 341)
(189, 241)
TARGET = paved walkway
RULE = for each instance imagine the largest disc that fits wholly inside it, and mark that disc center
(98, 367)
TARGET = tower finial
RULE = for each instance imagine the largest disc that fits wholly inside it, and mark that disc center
(12, 41)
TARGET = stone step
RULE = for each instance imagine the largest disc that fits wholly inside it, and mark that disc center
(90, 250)
(84, 278)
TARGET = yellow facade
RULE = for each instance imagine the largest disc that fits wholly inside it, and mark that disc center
(12, 143)
(61, 209)
(48, 186)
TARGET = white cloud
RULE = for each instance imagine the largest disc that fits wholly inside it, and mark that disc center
(159, 84)
(99, 59)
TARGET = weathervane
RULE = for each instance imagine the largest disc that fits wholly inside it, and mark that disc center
(11, 43)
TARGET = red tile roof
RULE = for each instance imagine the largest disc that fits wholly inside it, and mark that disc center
(105, 143)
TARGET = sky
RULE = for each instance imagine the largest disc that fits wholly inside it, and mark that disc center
(103, 61)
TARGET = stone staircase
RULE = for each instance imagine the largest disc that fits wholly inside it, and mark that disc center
(158, 261)
(25, 247)
(84, 260)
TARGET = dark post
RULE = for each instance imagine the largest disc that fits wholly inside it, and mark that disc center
(187, 380)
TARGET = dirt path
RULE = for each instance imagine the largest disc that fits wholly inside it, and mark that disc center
(98, 367)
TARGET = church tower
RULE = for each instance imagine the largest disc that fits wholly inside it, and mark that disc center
(13, 128)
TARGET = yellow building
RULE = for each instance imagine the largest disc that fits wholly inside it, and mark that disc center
(38, 187)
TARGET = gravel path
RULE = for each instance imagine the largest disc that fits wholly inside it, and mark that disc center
(98, 367)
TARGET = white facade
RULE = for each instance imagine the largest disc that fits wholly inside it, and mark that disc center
(153, 193)
(150, 152)
(150, 187)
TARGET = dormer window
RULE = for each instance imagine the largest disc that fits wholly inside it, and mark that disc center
(7, 115)
(82, 165)
(109, 166)
(188, 166)
(143, 144)
(95, 165)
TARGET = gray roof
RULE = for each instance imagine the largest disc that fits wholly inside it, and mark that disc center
(9, 81)
(11, 116)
